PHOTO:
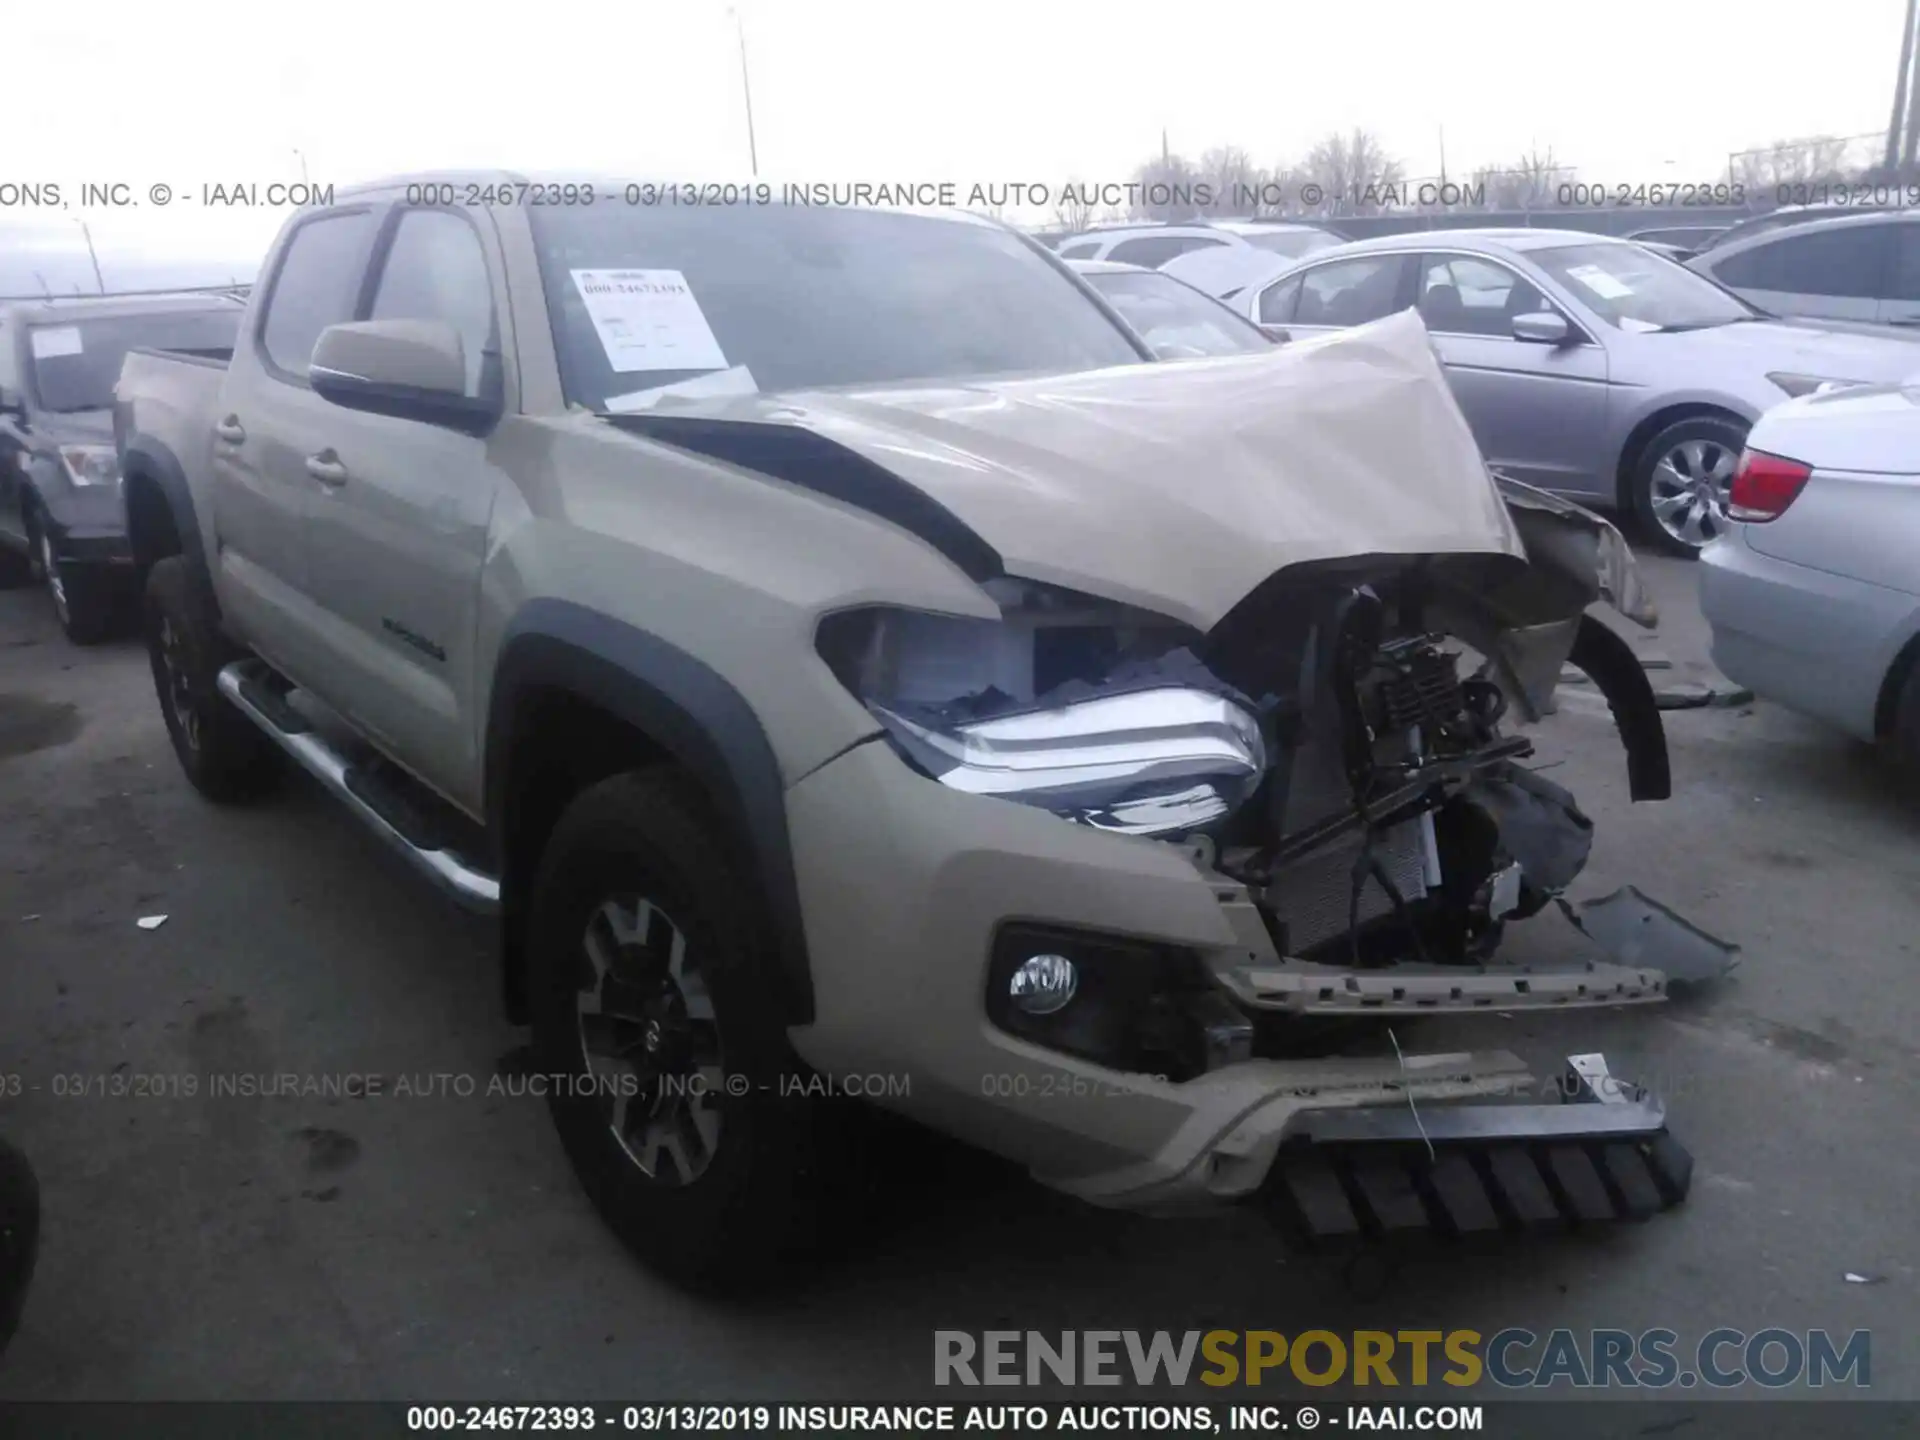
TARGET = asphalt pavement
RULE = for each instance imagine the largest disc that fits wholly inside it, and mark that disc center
(433, 1243)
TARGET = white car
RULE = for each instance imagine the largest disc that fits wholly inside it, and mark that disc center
(1177, 321)
(1813, 594)
(1153, 245)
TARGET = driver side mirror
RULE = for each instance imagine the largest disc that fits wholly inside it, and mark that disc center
(1542, 327)
(409, 369)
(14, 403)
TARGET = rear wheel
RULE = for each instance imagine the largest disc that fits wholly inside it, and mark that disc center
(1903, 740)
(82, 595)
(224, 754)
(671, 1081)
(1681, 482)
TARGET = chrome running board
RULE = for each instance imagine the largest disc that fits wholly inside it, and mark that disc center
(250, 686)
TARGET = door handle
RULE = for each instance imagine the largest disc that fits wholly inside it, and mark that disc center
(230, 430)
(327, 469)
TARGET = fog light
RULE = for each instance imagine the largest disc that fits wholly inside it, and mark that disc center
(1043, 984)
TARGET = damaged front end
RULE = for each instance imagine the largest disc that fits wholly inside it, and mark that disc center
(1336, 756)
(1273, 659)
(1342, 759)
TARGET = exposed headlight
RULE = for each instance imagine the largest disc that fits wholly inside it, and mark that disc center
(90, 464)
(1093, 711)
(1798, 385)
(1149, 762)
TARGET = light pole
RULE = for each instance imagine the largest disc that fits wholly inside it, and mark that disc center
(98, 282)
(298, 155)
(1898, 125)
(746, 89)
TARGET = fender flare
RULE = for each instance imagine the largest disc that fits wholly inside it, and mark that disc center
(1616, 672)
(153, 461)
(685, 707)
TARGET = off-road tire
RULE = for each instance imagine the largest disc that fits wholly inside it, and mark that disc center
(1715, 430)
(761, 1201)
(225, 755)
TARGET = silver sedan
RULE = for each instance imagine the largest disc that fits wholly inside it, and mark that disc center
(1813, 595)
(1588, 366)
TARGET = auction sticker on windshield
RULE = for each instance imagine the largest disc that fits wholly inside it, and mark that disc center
(648, 320)
(51, 342)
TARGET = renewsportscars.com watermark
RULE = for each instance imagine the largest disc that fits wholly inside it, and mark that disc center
(1656, 1359)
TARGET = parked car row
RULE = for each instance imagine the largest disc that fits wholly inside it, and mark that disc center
(1587, 366)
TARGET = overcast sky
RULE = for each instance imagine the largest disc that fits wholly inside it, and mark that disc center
(191, 93)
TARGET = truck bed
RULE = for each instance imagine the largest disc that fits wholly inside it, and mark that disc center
(165, 402)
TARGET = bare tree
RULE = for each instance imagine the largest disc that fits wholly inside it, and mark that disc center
(1353, 172)
(1168, 188)
(1792, 162)
(1233, 180)
(1074, 211)
(1531, 183)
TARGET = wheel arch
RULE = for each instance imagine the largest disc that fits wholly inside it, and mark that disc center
(1641, 435)
(1886, 705)
(578, 696)
(158, 503)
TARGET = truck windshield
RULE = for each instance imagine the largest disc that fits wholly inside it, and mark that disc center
(783, 297)
(76, 363)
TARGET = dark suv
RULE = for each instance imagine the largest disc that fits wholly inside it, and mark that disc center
(60, 516)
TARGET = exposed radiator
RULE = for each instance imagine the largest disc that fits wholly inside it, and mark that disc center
(1312, 894)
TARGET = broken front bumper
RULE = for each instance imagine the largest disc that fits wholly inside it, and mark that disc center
(1459, 1170)
(1379, 1149)
(904, 886)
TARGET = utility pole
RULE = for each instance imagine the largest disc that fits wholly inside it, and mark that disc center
(746, 89)
(1898, 126)
(100, 283)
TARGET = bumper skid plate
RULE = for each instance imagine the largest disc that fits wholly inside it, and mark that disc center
(1462, 1170)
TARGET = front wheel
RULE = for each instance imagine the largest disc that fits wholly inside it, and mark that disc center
(665, 1056)
(82, 595)
(1681, 482)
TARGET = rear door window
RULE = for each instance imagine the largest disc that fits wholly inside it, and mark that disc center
(1279, 301)
(1848, 263)
(1354, 292)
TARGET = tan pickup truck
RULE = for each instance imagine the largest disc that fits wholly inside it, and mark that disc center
(848, 664)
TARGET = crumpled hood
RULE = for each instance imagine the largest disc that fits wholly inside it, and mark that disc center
(1180, 486)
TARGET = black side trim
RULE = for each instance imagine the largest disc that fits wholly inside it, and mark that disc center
(1610, 663)
(686, 708)
(814, 462)
(143, 455)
